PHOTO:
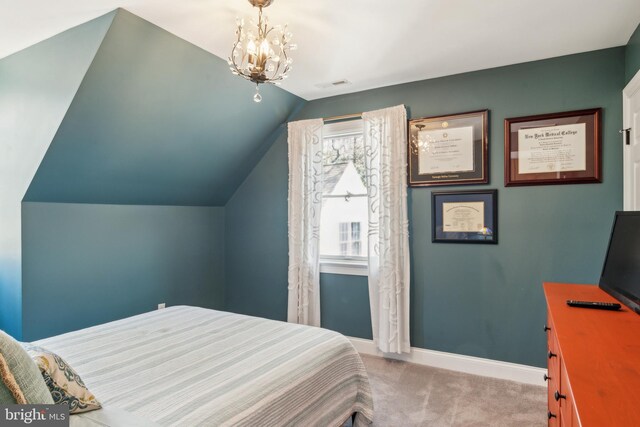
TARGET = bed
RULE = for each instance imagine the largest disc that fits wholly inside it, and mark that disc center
(190, 366)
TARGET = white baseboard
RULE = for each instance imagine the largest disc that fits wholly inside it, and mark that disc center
(458, 362)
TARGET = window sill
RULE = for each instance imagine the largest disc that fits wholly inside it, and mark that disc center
(350, 268)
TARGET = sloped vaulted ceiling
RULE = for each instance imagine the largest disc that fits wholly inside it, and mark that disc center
(158, 121)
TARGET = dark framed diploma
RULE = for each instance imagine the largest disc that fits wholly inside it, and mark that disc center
(464, 216)
(558, 148)
(449, 150)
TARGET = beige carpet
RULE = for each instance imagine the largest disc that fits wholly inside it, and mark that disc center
(406, 395)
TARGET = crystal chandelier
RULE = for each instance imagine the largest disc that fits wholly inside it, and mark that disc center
(261, 55)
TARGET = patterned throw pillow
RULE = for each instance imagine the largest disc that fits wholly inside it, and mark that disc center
(64, 383)
(20, 379)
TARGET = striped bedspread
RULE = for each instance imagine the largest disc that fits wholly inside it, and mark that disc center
(188, 366)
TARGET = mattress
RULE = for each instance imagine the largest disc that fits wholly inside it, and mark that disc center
(189, 366)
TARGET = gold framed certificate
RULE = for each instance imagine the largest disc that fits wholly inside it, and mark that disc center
(448, 150)
(464, 216)
(558, 148)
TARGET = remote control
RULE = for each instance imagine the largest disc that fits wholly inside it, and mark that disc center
(594, 304)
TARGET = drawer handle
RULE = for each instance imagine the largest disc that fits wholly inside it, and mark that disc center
(559, 396)
(550, 355)
(546, 377)
(546, 328)
(550, 415)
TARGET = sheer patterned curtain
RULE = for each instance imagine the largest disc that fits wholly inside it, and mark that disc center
(385, 141)
(305, 203)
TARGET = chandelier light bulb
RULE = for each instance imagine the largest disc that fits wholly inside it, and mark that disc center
(251, 47)
(264, 47)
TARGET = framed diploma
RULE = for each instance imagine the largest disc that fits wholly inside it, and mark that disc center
(560, 148)
(448, 150)
(464, 216)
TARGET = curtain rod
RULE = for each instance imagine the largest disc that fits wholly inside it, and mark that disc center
(344, 117)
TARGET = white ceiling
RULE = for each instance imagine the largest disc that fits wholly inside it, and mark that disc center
(369, 43)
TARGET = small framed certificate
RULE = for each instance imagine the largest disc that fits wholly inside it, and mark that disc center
(448, 150)
(464, 216)
(559, 148)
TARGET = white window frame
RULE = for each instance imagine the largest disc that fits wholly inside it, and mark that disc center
(349, 265)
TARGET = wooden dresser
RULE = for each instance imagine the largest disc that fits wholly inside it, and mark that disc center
(593, 360)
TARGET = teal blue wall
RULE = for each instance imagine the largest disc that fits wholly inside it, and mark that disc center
(256, 239)
(37, 86)
(349, 304)
(479, 300)
(157, 121)
(88, 264)
(632, 55)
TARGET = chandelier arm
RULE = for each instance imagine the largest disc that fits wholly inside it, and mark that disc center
(232, 59)
(280, 74)
(276, 75)
(276, 70)
(278, 63)
(284, 43)
(285, 58)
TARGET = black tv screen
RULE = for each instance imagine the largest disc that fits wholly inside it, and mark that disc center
(621, 271)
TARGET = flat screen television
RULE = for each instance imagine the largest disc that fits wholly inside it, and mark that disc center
(620, 276)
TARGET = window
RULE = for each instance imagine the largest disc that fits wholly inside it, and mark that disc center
(355, 238)
(349, 237)
(344, 221)
(344, 238)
